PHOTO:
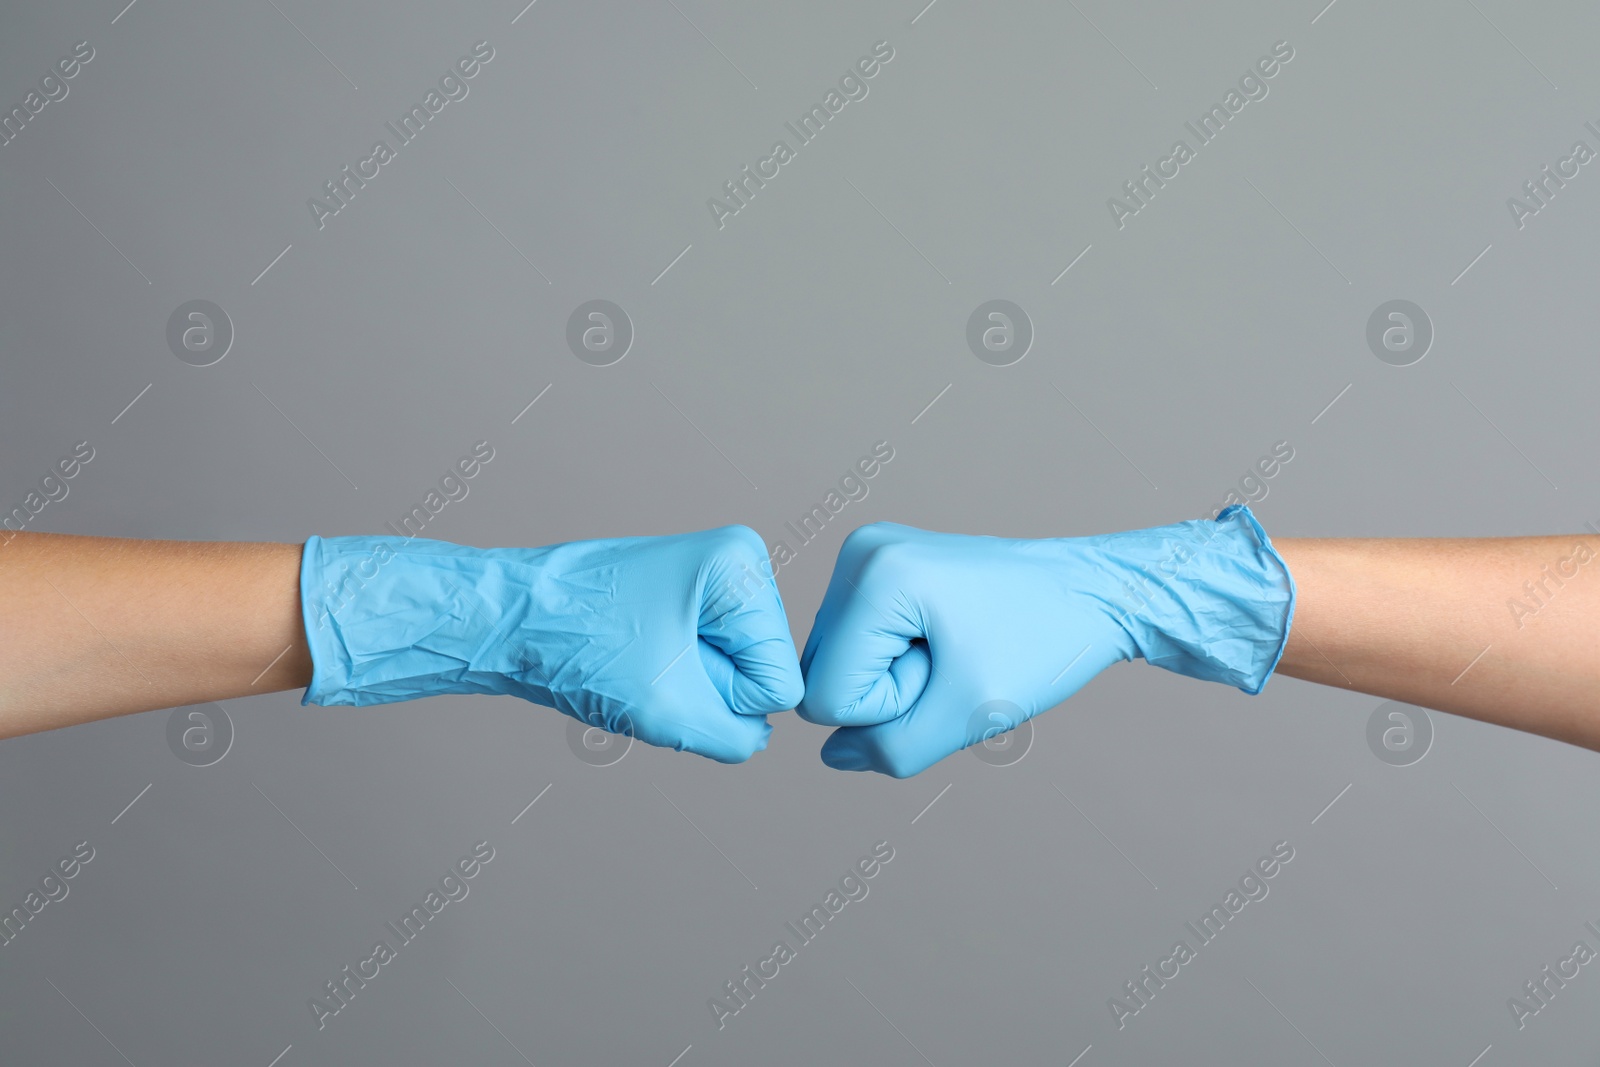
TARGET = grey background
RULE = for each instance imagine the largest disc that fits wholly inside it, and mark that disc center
(1224, 317)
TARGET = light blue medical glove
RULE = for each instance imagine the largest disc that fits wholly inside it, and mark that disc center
(929, 642)
(680, 641)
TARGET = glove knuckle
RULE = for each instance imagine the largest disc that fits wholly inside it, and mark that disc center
(738, 540)
(863, 539)
(887, 563)
(819, 710)
(898, 765)
(787, 692)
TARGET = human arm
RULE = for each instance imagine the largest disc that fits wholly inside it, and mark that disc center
(1501, 629)
(679, 640)
(95, 627)
(926, 643)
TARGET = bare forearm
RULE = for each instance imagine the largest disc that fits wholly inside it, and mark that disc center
(95, 626)
(1432, 623)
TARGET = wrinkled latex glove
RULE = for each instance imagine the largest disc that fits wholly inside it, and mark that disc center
(929, 642)
(680, 641)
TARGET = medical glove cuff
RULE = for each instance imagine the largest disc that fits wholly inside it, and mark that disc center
(389, 620)
(1211, 599)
